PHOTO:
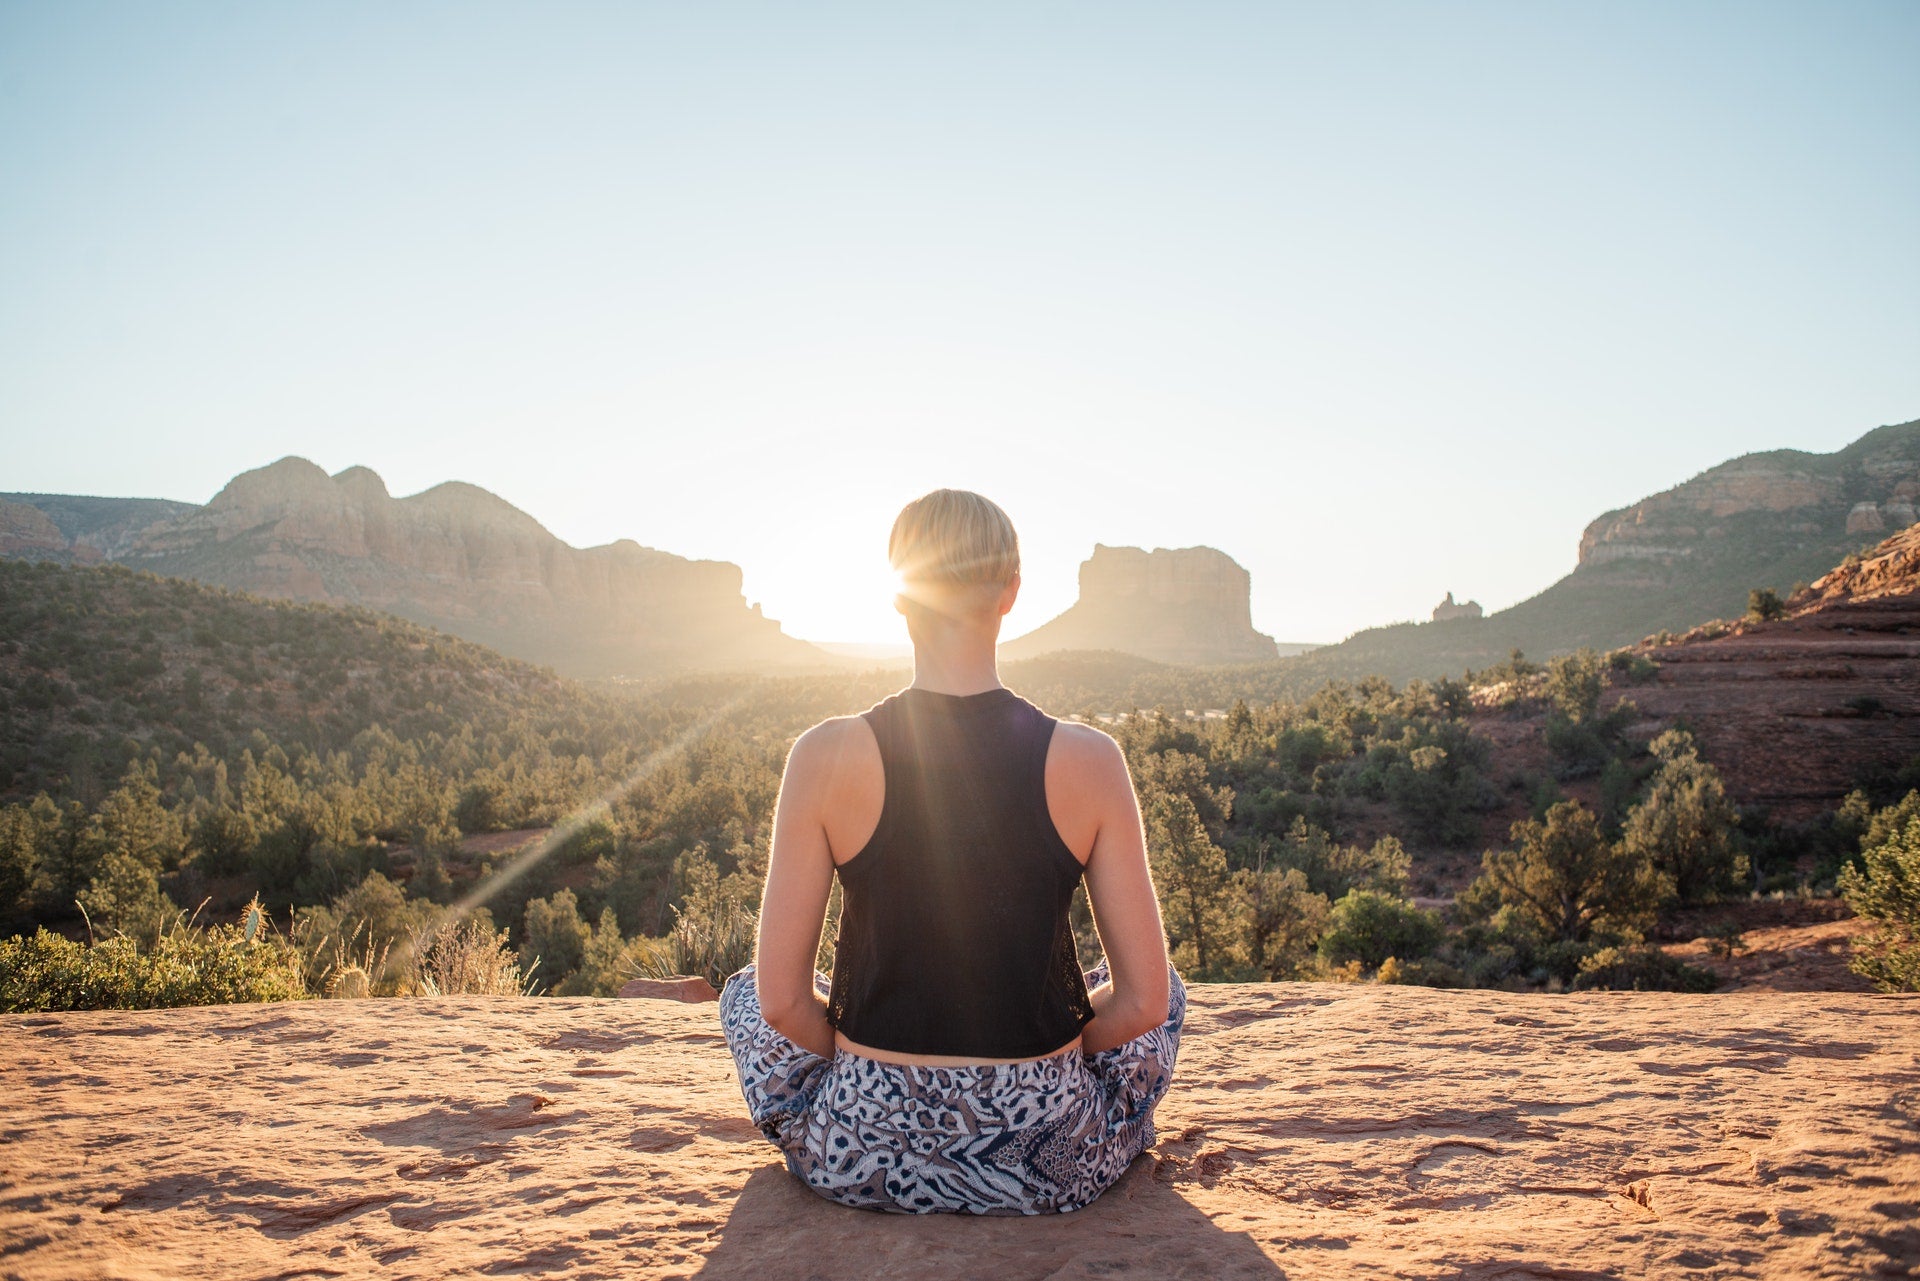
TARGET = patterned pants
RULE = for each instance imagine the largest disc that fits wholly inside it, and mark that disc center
(1006, 1138)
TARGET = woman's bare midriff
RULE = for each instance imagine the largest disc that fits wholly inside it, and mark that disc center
(939, 1060)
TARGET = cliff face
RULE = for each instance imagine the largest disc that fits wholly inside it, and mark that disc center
(1802, 501)
(1312, 1131)
(1675, 560)
(464, 560)
(1185, 605)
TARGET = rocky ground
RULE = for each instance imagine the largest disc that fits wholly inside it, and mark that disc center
(1316, 1131)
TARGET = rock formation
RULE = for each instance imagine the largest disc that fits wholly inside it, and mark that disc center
(1446, 611)
(1675, 560)
(1313, 1131)
(76, 530)
(1185, 605)
(1787, 492)
(1796, 713)
(464, 560)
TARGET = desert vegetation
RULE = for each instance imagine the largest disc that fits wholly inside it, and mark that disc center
(205, 796)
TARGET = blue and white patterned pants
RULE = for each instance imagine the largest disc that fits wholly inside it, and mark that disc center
(1006, 1138)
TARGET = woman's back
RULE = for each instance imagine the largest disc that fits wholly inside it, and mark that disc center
(955, 937)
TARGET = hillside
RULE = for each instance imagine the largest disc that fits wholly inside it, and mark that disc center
(1797, 712)
(1313, 1131)
(98, 665)
(1672, 561)
(455, 557)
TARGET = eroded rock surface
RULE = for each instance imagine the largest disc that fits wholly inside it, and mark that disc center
(1316, 1131)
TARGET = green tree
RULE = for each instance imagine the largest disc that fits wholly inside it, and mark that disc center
(1886, 893)
(1685, 823)
(1195, 885)
(554, 939)
(67, 858)
(1764, 605)
(1331, 869)
(124, 897)
(134, 824)
(1575, 683)
(606, 961)
(19, 859)
(1284, 919)
(1563, 877)
(1369, 927)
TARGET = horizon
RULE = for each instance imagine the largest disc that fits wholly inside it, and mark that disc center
(1418, 291)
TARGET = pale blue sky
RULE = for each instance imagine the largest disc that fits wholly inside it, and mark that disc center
(1382, 299)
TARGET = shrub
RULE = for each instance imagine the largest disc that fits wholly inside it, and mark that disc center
(1640, 969)
(1886, 893)
(186, 966)
(1575, 683)
(370, 928)
(714, 946)
(1369, 927)
(1764, 605)
(1421, 973)
(1685, 823)
(1566, 880)
(469, 959)
(1636, 668)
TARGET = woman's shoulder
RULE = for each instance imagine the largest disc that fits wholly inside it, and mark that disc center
(834, 744)
(1084, 751)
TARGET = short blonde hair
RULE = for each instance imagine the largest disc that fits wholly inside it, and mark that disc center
(954, 537)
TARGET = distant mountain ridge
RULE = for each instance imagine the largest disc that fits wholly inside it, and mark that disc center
(1172, 605)
(77, 529)
(456, 557)
(1674, 560)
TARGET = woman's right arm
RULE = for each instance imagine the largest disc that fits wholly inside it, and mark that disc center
(1126, 912)
(793, 908)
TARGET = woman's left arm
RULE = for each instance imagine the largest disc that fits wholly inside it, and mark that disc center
(793, 908)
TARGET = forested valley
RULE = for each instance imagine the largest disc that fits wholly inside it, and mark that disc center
(209, 796)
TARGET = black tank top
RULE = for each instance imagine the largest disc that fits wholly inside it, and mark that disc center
(954, 937)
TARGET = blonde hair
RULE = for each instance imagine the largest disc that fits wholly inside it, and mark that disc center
(954, 537)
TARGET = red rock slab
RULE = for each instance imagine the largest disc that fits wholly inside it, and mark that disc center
(681, 987)
(1314, 1131)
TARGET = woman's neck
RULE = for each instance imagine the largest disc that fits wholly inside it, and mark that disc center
(955, 668)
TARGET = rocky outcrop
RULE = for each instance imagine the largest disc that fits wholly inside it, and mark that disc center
(1184, 605)
(464, 560)
(27, 534)
(1793, 492)
(1312, 1131)
(77, 530)
(1796, 713)
(1446, 611)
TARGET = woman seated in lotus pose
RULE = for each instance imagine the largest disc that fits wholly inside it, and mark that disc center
(958, 1060)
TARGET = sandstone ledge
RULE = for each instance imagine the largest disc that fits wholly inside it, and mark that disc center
(1317, 1131)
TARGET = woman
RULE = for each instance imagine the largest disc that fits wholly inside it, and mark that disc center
(958, 1060)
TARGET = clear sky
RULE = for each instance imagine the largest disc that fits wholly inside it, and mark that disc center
(1381, 299)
